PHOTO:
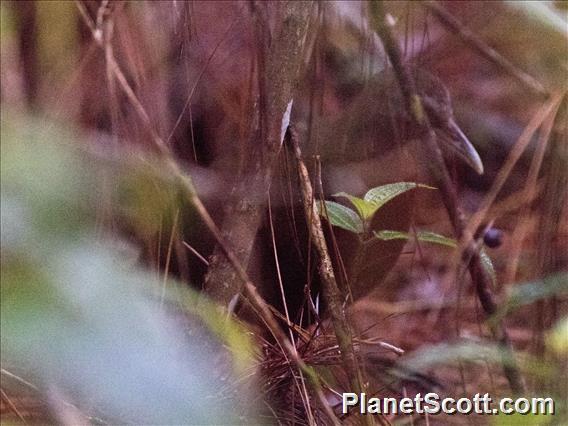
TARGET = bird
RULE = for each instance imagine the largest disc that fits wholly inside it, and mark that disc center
(375, 121)
(374, 141)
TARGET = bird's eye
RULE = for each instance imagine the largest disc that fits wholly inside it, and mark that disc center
(436, 112)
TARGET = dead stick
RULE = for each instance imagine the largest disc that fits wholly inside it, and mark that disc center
(331, 291)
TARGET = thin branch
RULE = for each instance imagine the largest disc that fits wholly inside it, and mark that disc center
(196, 253)
(12, 406)
(104, 42)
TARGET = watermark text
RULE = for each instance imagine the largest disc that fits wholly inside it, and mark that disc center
(432, 403)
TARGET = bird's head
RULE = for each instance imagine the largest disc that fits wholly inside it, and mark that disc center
(438, 107)
(375, 121)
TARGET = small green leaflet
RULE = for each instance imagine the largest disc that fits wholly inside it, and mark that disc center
(365, 209)
(376, 197)
(381, 195)
(432, 237)
(342, 216)
(425, 236)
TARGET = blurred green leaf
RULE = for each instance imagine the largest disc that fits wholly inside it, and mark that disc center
(43, 180)
(557, 338)
(237, 340)
(146, 197)
(342, 216)
(7, 19)
(57, 36)
(480, 353)
(527, 293)
(77, 316)
(446, 353)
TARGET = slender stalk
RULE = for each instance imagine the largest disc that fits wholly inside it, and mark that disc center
(331, 291)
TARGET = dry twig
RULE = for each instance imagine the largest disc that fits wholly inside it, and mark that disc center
(330, 289)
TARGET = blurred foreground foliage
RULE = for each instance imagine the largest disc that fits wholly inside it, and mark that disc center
(91, 331)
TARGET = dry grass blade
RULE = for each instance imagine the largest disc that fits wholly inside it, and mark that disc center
(529, 193)
(469, 38)
(480, 215)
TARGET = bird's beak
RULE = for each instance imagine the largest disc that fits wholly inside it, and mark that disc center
(453, 138)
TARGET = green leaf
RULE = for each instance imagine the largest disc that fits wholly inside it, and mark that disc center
(342, 216)
(450, 353)
(376, 197)
(391, 235)
(517, 419)
(381, 195)
(365, 209)
(432, 237)
(425, 236)
(231, 333)
(145, 196)
(534, 291)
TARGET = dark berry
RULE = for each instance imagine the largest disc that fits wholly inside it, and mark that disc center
(493, 237)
